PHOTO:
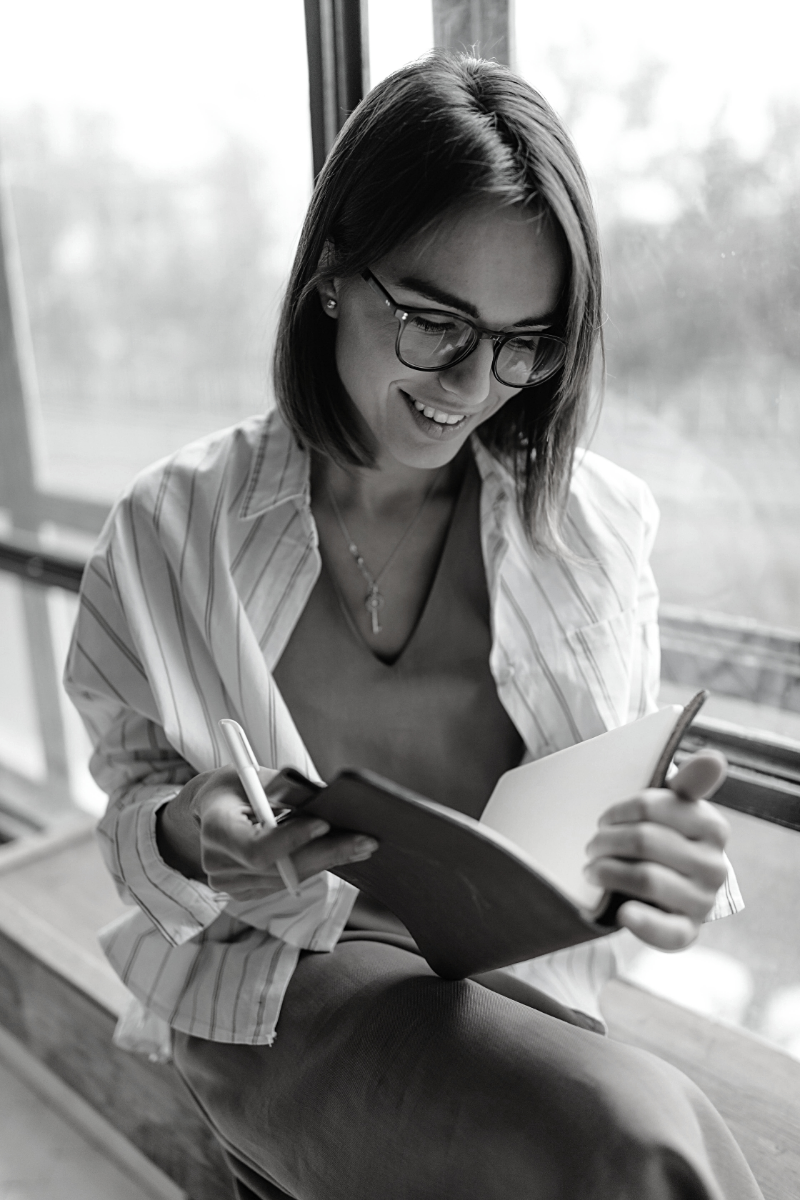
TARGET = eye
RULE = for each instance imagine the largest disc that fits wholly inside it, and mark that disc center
(523, 343)
(432, 323)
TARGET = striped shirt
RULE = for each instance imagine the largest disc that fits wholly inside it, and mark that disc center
(188, 601)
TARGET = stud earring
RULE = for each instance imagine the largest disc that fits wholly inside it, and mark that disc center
(330, 304)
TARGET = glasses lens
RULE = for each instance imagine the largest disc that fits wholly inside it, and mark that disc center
(432, 339)
(523, 361)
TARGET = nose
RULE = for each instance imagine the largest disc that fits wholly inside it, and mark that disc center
(470, 380)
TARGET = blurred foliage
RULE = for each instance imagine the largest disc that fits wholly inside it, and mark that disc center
(711, 299)
(147, 289)
(141, 288)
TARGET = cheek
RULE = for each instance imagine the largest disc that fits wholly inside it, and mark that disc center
(365, 355)
(499, 397)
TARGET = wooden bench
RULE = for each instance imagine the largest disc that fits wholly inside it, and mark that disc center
(60, 998)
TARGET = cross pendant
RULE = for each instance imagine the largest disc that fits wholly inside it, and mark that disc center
(373, 605)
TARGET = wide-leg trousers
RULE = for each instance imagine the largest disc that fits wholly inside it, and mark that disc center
(388, 1083)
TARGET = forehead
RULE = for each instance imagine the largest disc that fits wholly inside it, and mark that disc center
(505, 264)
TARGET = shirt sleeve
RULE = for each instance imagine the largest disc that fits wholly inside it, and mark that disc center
(729, 898)
(134, 762)
(646, 660)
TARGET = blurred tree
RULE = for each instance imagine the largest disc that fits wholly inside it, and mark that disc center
(143, 289)
(715, 293)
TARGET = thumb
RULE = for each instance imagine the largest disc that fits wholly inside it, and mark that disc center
(700, 775)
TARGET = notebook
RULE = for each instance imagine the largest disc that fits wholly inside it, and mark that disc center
(478, 895)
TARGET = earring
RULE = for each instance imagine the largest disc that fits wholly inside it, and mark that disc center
(330, 304)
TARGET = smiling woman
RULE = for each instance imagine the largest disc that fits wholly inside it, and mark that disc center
(465, 260)
(405, 567)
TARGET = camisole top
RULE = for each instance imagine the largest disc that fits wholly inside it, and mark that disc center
(431, 719)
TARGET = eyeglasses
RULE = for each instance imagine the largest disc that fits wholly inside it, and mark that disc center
(430, 340)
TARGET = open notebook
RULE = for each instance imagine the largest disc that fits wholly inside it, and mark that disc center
(477, 895)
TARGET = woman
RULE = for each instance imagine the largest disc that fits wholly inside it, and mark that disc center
(404, 567)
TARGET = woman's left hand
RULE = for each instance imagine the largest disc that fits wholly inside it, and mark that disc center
(664, 847)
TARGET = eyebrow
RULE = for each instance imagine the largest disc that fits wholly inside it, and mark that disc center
(424, 287)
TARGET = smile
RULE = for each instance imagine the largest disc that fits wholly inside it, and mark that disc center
(435, 414)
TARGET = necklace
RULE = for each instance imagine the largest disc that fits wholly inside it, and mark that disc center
(374, 599)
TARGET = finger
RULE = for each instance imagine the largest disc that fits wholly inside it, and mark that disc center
(700, 775)
(695, 819)
(333, 851)
(665, 931)
(269, 845)
(227, 820)
(650, 842)
(653, 882)
(245, 883)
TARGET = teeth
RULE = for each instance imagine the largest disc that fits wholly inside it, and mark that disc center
(434, 414)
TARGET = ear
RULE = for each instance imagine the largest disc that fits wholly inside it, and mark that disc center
(329, 299)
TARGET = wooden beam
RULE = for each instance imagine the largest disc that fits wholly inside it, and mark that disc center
(338, 67)
(17, 377)
(60, 999)
(733, 656)
(755, 1086)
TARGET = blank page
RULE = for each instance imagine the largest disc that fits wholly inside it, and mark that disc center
(551, 807)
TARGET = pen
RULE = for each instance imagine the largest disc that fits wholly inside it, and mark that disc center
(246, 766)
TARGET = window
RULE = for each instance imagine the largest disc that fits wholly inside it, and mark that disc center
(688, 122)
(158, 189)
(156, 166)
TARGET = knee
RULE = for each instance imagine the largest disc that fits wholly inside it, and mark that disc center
(644, 1129)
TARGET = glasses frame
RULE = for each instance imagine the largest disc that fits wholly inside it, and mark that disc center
(499, 337)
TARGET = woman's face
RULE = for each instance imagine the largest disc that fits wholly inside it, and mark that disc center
(498, 266)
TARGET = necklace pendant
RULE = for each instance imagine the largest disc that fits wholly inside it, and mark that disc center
(373, 604)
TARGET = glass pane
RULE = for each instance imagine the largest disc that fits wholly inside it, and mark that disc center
(159, 165)
(398, 33)
(21, 749)
(745, 969)
(688, 123)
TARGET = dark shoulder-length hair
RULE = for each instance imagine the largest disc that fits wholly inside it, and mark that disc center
(440, 133)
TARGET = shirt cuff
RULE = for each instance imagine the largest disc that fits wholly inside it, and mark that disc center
(728, 899)
(311, 920)
(178, 907)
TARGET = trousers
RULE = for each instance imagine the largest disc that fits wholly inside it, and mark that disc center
(388, 1083)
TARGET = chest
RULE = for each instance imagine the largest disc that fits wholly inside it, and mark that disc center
(430, 718)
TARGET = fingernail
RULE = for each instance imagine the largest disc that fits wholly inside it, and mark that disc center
(319, 829)
(364, 844)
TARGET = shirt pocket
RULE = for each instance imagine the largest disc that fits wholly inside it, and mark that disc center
(604, 655)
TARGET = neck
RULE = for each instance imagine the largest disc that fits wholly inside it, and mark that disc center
(375, 491)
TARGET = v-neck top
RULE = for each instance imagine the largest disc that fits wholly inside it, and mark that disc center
(431, 719)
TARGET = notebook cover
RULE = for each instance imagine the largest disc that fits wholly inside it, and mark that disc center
(472, 899)
(469, 897)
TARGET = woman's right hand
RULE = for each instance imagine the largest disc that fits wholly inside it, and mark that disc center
(209, 832)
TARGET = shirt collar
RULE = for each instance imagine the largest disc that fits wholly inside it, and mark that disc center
(280, 470)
